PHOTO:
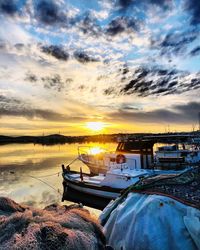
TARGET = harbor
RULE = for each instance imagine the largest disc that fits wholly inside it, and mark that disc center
(113, 172)
(99, 177)
(175, 189)
(99, 125)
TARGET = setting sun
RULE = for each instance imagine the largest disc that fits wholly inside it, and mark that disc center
(95, 126)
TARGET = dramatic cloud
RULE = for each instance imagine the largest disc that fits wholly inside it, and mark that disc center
(19, 46)
(8, 7)
(48, 12)
(124, 70)
(16, 107)
(193, 6)
(125, 4)
(122, 24)
(56, 51)
(87, 24)
(31, 77)
(195, 51)
(109, 91)
(125, 52)
(178, 114)
(82, 57)
(53, 82)
(175, 43)
(147, 81)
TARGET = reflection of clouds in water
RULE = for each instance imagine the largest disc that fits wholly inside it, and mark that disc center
(23, 153)
(23, 188)
(31, 202)
(31, 165)
(49, 198)
(44, 199)
(15, 176)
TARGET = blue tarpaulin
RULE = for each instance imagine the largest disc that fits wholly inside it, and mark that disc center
(151, 222)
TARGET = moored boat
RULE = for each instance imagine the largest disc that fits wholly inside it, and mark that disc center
(98, 190)
(175, 155)
(135, 153)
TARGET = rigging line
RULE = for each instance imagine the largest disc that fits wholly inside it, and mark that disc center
(72, 161)
(42, 176)
(45, 183)
(38, 177)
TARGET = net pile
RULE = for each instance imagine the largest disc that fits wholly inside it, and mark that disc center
(55, 227)
(184, 187)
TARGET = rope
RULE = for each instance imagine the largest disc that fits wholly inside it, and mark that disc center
(46, 183)
(72, 161)
(43, 176)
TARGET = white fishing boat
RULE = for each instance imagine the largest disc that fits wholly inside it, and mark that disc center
(134, 154)
(139, 154)
(128, 168)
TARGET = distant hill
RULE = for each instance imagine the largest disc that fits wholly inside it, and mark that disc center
(61, 139)
(55, 139)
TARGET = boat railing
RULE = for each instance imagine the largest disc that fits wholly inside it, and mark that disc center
(93, 155)
(104, 158)
(91, 150)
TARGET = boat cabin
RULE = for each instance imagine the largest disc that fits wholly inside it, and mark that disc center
(142, 150)
(177, 156)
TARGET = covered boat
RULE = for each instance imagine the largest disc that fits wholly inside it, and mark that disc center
(156, 213)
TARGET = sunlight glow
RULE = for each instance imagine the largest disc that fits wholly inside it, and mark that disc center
(95, 126)
(96, 150)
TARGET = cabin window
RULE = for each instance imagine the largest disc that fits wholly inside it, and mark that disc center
(184, 154)
(136, 147)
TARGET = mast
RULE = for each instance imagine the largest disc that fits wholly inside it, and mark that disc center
(199, 120)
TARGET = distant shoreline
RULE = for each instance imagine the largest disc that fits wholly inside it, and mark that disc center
(62, 139)
(56, 139)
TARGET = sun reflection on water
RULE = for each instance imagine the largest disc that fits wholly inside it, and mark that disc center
(18, 162)
(96, 150)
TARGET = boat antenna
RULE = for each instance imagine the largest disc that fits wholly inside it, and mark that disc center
(199, 121)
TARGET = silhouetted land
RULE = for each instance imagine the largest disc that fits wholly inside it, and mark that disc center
(61, 139)
(56, 139)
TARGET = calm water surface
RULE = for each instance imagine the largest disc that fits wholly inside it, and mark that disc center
(21, 164)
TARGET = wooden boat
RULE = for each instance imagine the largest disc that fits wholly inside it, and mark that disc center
(138, 154)
(135, 154)
(98, 190)
(111, 173)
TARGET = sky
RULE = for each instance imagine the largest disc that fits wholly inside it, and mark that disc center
(131, 65)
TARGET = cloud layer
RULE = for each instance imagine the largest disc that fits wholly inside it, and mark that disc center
(79, 60)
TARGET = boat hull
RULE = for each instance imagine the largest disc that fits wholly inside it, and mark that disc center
(93, 201)
(87, 194)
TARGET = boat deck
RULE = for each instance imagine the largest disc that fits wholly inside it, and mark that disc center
(87, 178)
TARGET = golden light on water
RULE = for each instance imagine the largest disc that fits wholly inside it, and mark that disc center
(96, 150)
(95, 126)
